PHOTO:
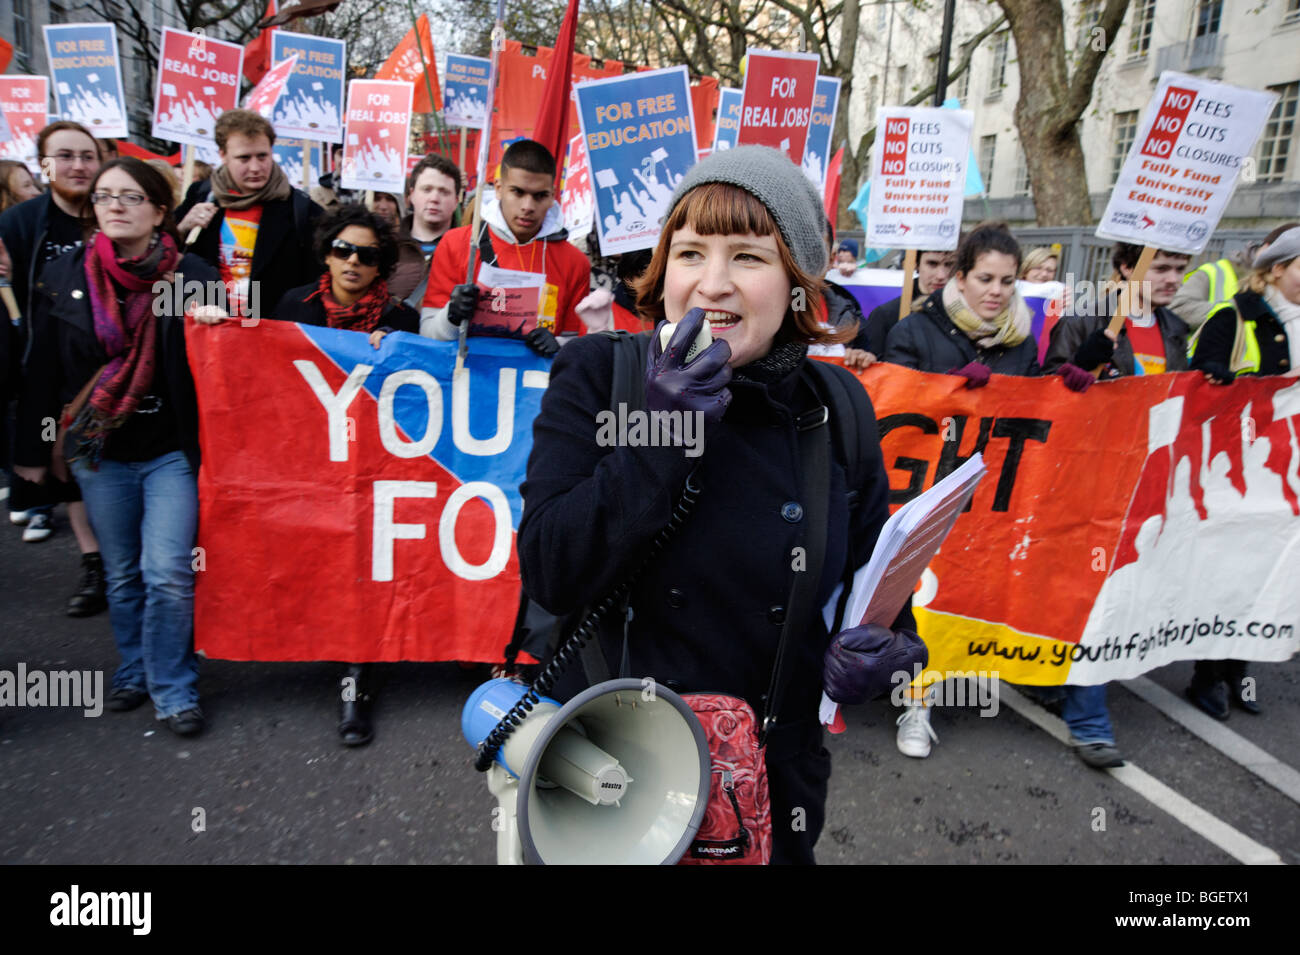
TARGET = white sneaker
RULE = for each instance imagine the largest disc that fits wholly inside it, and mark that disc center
(915, 732)
(20, 517)
(38, 528)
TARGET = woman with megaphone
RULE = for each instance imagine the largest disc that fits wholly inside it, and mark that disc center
(788, 484)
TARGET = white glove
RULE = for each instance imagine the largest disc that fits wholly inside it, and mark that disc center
(596, 310)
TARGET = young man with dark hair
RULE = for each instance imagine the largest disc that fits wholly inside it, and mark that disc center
(35, 233)
(255, 228)
(933, 270)
(433, 193)
(1154, 337)
(522, 232)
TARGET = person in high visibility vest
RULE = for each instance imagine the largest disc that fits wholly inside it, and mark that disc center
(1211, 286)
(1259, 334)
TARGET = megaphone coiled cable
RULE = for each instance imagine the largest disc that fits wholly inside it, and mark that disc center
(568, 651)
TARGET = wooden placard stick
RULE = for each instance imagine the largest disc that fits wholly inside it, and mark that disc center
(909, 268)
(306, 165)
(1127, 297)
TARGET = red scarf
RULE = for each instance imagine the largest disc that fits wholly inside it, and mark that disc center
(128, 332)
(363, 315)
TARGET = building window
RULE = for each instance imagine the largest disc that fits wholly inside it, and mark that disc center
(1126, 125)
(1275, 144)
(58, 14)
(998, 74)
(987, 146)
(23, 35)
(1089, 17)
(1292, 14)
(1208, 14)
(1144, 17)
(1022, 173)
(961, 89)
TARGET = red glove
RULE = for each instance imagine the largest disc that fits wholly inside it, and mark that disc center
(1076, 379)
(976, 375)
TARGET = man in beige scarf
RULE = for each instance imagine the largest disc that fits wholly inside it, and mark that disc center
(252, 225)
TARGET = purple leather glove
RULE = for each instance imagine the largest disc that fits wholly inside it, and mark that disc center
(976, 375)
(701, 385)
(1076, 379)
(861, 664)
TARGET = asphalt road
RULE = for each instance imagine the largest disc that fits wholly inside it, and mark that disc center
(271, 783)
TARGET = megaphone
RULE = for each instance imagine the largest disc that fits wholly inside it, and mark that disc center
(618, 775)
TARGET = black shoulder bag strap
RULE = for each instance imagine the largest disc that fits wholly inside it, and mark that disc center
(815, 463)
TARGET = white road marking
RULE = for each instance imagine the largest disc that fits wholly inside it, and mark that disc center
(1205, 824)
(1233, 745)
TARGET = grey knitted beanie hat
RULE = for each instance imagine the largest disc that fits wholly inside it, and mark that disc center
(770, 176)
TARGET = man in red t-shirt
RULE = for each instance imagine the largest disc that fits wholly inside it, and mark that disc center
(529, 278)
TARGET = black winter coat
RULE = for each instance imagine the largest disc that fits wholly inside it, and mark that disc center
(1219, 334)
(295, 307)
(282, 256)
(64, 353)
(884, 317)
(1072, 330)
(708, 612)
(927, 340)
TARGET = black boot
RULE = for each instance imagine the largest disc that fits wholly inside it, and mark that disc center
(354, 712)
(91, 596)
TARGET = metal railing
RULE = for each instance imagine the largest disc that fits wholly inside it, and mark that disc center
(1198, 53)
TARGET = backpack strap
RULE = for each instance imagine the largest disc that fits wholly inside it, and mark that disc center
(847, 401)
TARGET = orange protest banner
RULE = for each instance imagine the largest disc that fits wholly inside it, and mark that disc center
(1148, 520)
(404, 64)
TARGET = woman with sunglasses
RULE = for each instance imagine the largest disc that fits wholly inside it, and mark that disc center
(105, 351)
(359, 251)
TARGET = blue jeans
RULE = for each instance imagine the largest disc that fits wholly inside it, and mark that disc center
(1082, 707)
(145, 514)
(1086, 715)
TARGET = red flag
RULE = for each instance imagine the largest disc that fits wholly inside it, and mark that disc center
(6, 54)
(126, 148)
(704, 102)
(552, 129)
(833, 184)
(257, 52)
(404, 64)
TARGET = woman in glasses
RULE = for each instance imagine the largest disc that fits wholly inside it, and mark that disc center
(359, 251)
(107, 352)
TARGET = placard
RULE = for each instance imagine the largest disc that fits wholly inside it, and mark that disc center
(818, 149)
(918, 175)
(640, 142)
(728, 124)
(24, 101)
(1194, 140)
(87, 76)
(379, 126)
(776, 104)
(312, 106)
(198, 80)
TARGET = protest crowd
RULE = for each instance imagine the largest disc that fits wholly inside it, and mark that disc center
(104, 400)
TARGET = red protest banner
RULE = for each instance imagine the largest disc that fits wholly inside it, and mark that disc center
(704, 104)
(776, 105)
(404, 64)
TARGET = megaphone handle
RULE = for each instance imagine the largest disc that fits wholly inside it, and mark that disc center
(569, 650)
